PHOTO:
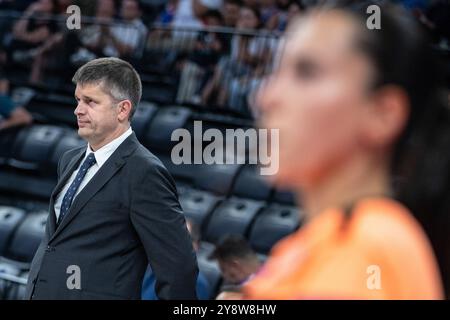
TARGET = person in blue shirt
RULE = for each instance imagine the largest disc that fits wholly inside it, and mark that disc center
(11, 114)
(203, 286)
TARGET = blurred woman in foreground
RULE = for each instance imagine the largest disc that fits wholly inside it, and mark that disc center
(364, 139)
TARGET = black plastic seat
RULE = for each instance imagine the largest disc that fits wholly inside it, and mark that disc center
(185, 173)
(10, 218)
(209, 268)
(197, 205)
(24, 184)
(7, 271)
(285, 197)
(17, 290)
(28, 236)
(7, 142)
(250, 184)
(165, 121)
(34, 147)
(142, 117)
(216, 178)
(233, 216)
(274, 223)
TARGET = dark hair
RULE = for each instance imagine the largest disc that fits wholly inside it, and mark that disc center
(213, 14)
(117, 77)
(235, 2)
(420, 164)
(232, 246)
(256, 12)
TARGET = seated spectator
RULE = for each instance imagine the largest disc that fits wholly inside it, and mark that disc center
(32, 34)
(238, 263)
(203, 287)
(125, 39)
(129, 37)
(200, 64)
(10, 114)
(287, 9)
(240, 72)
(269, 9)
(230, 12)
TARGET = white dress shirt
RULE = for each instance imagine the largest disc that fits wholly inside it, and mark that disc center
(101, 155)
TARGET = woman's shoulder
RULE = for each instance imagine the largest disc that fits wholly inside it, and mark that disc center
(386, 220)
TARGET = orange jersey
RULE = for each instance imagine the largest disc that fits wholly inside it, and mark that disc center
(379, 252)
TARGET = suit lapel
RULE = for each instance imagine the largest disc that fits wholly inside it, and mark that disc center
(106, 172)
(71, 167)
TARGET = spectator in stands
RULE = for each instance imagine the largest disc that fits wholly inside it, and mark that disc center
(286, 11)
(241, 71)
(230, 12)
(125, 38)
(165, 18)
(32, 34)
(203, 287)
(237, 261)
(129, 37)
(200, 64)
(357, 114)
(268, 10)
(10, 114)
(189, 13)
(96, 38)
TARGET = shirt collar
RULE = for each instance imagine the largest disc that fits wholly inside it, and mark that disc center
(102, 154)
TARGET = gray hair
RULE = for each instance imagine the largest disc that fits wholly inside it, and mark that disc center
(118, 78)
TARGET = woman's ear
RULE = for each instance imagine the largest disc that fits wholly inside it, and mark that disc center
(387, 116)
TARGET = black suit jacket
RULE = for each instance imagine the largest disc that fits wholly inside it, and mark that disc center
(126, 216)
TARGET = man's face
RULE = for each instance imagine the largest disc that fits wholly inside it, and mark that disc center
(231, 14)
(97, 114)
(232, 271)
(130, 10)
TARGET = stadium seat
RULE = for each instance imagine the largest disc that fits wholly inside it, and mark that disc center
(24, 184)
(206, 248)
(233, 216)
(185, 173)
(17, 290)
(272, 224)
(209, 268)
(34, 146)
(8, 271)
(284, 197)
(142, 117)
(54, 108)
(197, 205)
(10, 218)
(7, 141)
(162, 125)
(216, 178)
(250, 184)
(28, 236)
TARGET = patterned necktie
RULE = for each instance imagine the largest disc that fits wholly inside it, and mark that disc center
(68, 197)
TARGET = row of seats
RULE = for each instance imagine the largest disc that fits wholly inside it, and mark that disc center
(221, 199)
(21, 232)
(35, 151)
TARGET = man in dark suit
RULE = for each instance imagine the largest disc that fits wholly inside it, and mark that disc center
(115, 207)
